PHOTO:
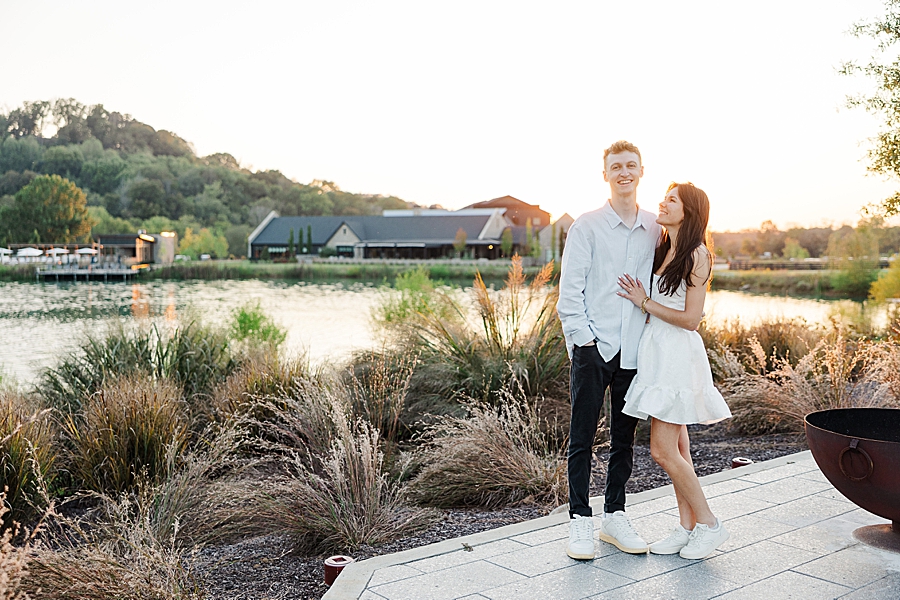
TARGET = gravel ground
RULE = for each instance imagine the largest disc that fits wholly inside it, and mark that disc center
(266, 569)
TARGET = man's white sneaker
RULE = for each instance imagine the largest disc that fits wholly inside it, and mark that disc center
(616, 529)
(704, 540)
(673, 544)
(581, 538)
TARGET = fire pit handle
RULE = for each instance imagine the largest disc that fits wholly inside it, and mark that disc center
(854, 443)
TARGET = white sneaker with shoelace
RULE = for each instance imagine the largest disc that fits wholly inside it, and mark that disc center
(673, 544)
(616, 529)
(581, 538)
(704, 540)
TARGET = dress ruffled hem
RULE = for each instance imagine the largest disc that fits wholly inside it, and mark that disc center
(678, 406)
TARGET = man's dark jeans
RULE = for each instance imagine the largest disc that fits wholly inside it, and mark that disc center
(589, 378)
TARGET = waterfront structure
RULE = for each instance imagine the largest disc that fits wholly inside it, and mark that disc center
(140, 247)
(416, 233)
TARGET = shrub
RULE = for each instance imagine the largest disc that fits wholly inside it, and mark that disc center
(27, 455)
(888, 283)
(132, 428)
(345, 500)
(260, 374)
(497, 455)
(251, 325)
(378, 387)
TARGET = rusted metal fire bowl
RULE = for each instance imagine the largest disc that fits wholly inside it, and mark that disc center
(858, 450)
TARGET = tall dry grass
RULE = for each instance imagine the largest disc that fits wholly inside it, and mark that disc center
(28, 455)
(127, 431)
(117, 558)
(14, 558)
(193, 356)
(344, 500)
(497, 455)
(519, 335)
(837, 372)
(378, 385)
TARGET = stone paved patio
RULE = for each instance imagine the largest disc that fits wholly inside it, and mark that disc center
(790, 538)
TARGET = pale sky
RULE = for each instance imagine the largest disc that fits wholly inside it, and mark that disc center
(458, 102)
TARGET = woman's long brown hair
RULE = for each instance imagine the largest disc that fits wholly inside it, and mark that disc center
(691, 235)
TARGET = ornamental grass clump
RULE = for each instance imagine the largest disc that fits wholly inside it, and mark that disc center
(14, 558)
(836, 373)
(27, 455)
(343, 500)
(130, 428)
(496, 455)
(781, 340)
(378, 387)
(518, 334)
(193, 356)
(119, 557)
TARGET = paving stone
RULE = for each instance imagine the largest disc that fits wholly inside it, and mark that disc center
(732, 506)
(463, 580)
(864, 517)
(883, 589)
(640, 566)
(542, 536)
(822, 538)
(788, 470)
(461, 556)
(650, 506)
(392, 573)
(804, 511)
(788, 586)
(751, 529)
(573, 583)
(474, 597)
(833, 494)
(727, 487)
(655, 527)
(690, 583)
(370, 595)
(536, 560)
(757, 561)
(854, 567)
(785, 490)
(814, 475)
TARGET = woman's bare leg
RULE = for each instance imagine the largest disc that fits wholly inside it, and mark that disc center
(685, 512)
(668, 450)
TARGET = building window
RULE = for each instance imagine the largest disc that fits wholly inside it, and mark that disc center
(345, 231)
(536, 221)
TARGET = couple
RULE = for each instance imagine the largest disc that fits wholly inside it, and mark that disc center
(642, 344)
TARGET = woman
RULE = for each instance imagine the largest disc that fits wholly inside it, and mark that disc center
(674, 384)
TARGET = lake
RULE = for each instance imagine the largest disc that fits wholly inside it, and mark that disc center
(40, 322)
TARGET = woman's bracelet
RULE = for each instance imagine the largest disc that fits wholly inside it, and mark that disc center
(644, 305)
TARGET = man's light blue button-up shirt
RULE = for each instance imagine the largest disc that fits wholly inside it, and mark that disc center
(600, 248)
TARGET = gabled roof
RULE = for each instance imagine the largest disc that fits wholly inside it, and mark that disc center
(278, 230)
(431, 229)
(501, 202)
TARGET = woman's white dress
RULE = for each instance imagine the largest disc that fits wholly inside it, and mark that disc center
(673, 382)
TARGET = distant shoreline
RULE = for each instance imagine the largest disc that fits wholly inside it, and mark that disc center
(791, 283)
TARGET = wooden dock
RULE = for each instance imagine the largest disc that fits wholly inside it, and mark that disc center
(91, 274)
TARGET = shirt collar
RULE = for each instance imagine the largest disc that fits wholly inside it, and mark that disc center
(643, 217)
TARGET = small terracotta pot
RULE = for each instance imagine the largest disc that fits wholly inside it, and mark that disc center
(333, 567)
(740, 461)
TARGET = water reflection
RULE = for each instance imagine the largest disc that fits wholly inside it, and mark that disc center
(40, 322)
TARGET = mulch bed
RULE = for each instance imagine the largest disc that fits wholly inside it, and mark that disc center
(266, 569)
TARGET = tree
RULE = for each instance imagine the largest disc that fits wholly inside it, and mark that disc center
(460, 241)
(793, 249)
(300, 246)
(65, 161)
(103, 222)
(535, 245)
(854, 256)
(20, 155)
(28, 121)
(308, 238)
(526, 251)
(506, 242)
(147, 199)
(51, 209)
(203, 242)
(884, 69)
(290, 245)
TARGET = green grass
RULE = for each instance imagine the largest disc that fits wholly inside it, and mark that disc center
(17, 272)
(793, 283)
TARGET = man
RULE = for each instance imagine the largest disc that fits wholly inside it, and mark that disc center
(602, 332)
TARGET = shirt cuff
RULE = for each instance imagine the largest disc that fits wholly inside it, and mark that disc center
(583, 337)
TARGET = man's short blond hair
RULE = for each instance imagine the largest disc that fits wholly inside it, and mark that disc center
(619, 147)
